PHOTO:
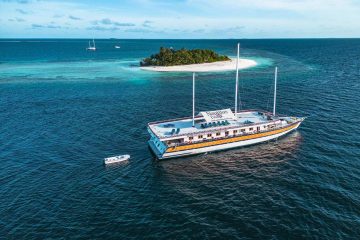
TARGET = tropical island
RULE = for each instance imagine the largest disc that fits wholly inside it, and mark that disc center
(194, 60)
(172, 57)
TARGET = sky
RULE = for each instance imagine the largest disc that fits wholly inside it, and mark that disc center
(183, 19)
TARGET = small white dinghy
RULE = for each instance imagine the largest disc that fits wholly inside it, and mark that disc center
(116, 159)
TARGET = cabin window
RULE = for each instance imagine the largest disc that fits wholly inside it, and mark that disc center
(200, 136)
(242, 130)
(226, 133)
(265, 126)
(250, 129)
(175, 141)
(235, 131)
(191, 138)
(209, 135)
(217, 134)
(257, 128)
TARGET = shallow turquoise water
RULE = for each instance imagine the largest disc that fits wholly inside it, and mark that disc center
(63, 110)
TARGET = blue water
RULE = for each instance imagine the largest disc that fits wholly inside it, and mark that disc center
(62, 110)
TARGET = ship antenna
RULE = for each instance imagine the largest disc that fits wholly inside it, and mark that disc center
(193, 110)
(237, 79)
(274, 110)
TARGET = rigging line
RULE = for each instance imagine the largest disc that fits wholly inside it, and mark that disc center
(269, 96)
(240, 103)
(241, 90)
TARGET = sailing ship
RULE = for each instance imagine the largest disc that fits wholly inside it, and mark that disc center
(91, 47)
(211, 131)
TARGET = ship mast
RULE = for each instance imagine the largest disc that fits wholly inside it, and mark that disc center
(237, 79)
(193, 110)
(274, 110)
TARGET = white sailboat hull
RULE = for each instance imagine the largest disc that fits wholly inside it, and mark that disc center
(91, 47)
(116, 159)
(219, 147)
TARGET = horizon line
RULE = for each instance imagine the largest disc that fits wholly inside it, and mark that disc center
(114, 38)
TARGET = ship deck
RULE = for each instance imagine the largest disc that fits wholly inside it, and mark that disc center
(183, 126)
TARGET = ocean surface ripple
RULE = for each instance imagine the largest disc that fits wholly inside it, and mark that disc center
(62, 110)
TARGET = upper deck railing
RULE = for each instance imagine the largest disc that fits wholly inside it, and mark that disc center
(211, 130)
(199, 117)
(278, 126)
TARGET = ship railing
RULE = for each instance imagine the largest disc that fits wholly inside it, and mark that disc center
(279, 126)
(210, 129)
(201, 117)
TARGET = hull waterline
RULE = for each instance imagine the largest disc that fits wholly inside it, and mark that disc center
(230, 143)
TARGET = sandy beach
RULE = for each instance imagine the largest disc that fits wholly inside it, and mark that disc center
(205, 67)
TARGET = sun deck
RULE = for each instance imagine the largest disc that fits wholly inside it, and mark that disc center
(180, 127)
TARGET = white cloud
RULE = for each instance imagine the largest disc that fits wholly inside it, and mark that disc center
(74, 18)
(199, 18)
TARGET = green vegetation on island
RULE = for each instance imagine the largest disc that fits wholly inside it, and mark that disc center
(171, 57)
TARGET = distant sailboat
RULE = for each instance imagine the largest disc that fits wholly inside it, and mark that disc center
(117, 46)
(91, 48)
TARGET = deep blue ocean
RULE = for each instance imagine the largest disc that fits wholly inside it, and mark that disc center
(63, 109)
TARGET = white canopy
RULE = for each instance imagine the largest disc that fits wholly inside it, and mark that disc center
(225, 114)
